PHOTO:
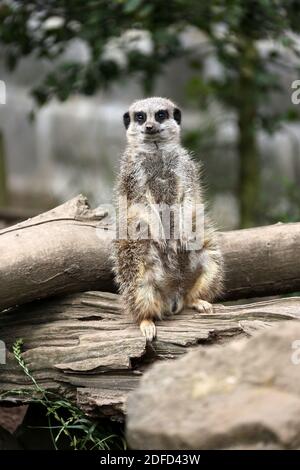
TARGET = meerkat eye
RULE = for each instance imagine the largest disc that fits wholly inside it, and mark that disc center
(140, 117)
(161, 115)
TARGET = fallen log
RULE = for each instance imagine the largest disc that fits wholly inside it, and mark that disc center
(84, 347)
(261, 261)
(61, 251)
(67, 250)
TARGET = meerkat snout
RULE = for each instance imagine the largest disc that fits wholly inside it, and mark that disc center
(151, 128)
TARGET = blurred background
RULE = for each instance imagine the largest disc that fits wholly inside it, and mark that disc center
(69, 70)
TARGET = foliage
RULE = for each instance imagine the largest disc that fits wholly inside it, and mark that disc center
(47, 28)
(232, 29)
(70, 421)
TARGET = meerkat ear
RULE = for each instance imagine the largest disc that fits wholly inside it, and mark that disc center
(177, 115)
(126, 120)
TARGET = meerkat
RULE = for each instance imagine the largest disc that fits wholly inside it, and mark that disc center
(158, 276)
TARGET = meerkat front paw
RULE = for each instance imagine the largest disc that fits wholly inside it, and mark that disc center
(148, 329)
(202, 306)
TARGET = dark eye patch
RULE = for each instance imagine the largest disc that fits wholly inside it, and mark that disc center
(140, 117)
(126, 120)
(161, 115)
(177, 115)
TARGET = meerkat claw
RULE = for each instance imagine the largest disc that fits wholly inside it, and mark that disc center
(202, 306)
(148, 329)
(176, 305)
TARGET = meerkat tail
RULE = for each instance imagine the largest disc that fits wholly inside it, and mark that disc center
(145, 303)
(148, 306)
(148, 329)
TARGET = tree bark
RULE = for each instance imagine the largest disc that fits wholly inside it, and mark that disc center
(67, 250)
(261, 261)
(84, 347)
(61, 251)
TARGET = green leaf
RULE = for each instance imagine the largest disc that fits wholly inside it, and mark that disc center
(132, 5)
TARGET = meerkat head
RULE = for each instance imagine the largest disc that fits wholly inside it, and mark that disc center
(152, 120)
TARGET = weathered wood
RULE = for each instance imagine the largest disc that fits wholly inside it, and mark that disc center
(84, 346)
(261, 261)
(61, 251)
(67, 250)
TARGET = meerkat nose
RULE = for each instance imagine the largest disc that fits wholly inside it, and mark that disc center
(150, 128)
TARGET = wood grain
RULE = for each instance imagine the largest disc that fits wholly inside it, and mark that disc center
(84, 347)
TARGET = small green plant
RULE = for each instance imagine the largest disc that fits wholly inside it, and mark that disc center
(81, 432)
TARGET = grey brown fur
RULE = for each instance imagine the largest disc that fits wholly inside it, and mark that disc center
(159, 276)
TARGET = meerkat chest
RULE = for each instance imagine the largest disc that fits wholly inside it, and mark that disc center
(161, 179)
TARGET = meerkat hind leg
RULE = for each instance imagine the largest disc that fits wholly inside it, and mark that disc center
(201, 290)
(194, 298)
